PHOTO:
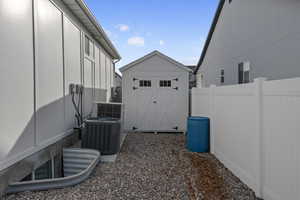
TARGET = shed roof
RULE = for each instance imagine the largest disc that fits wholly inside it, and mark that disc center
(192, 67)
(150, 55)
(84, 14)
(210, 34)
(118, 75)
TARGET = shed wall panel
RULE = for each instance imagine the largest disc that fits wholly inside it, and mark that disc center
(154, 64)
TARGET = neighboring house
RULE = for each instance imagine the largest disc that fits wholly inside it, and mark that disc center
(118, 80)
(45, 46)
(250, 39)
(155, 92)
(192, 77)
(117, 90)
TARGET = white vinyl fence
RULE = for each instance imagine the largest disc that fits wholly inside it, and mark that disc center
(255, 132)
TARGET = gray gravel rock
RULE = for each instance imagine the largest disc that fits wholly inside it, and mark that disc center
(147, 168)
(153, 167)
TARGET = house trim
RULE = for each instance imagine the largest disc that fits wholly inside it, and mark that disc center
(154, 53)
(85, 15)
(210, 34)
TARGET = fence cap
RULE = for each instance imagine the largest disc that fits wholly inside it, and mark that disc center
(198, 118)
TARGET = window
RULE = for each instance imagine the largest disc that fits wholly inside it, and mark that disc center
(200, 80)
(44, 171)
(87, 46)
(145, 83)
(51, 169)
(222, 76)
(165, 83)
(244, 72)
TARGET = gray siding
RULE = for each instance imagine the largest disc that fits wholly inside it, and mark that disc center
(118, 81)
(265, 33)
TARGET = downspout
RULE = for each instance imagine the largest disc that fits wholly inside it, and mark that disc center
(114, 63)
(114, 66)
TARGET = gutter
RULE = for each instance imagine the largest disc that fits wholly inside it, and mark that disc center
(114, 63)
(92, 18)
(210, 34)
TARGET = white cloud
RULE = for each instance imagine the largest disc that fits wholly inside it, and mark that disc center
(123, 27)
(136, 41)
(161, 42)
(110, 34)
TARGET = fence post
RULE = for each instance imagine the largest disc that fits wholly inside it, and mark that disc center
(212, 113)
(259, 131)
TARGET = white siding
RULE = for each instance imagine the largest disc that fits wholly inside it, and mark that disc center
(98, 91)
(154, 64)
(72, 67)
(54, 116)
(102, 70)
(97, 67)
(155, 108)
(88, 87)
(49, 72)
(16, 76)
(108, 75)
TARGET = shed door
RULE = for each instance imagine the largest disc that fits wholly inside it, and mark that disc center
(144, 91)
(156, 100)
(167, 96)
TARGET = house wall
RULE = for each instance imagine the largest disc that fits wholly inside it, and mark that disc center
(41, 53)
(254, 132)
(72, 66)
(265, 33)
(16, 74)
(117, 81)
(104, 69)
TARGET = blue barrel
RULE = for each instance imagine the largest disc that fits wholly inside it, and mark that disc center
(198, 134)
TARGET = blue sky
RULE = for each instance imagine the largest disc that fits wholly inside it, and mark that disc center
(177, 28)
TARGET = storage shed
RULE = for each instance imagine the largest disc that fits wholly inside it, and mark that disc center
(155, 94)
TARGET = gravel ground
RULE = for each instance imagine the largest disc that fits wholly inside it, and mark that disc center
(153, 167)
(208, 179)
